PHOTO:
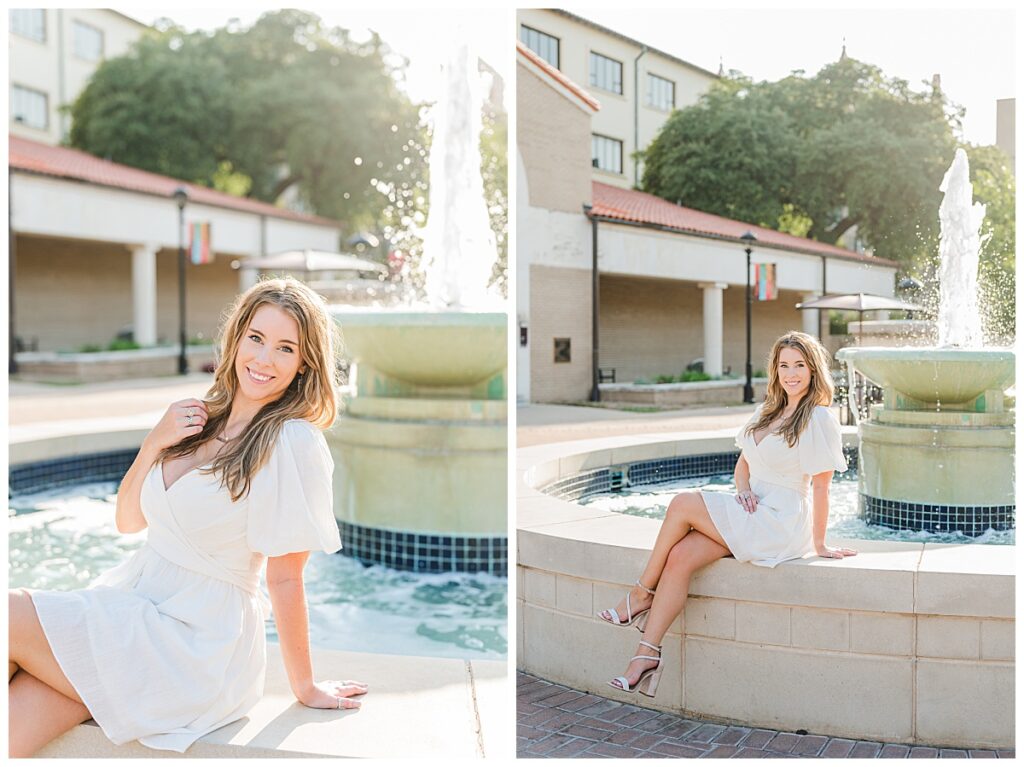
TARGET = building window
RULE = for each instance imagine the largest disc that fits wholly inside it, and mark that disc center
(543, 45)
(661, 93)
(606, 153)
(563, 350)
(88, 42)
(30, 23)
(29, 107)
(605, 73)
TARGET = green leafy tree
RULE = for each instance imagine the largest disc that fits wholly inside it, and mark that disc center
(284, 106)
(814, 156)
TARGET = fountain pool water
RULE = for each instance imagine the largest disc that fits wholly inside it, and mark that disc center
(61, 539)
(845, 521)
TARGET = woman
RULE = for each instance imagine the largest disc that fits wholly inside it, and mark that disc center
(170, 645)
(790, 447)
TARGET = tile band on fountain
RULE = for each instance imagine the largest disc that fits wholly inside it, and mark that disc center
(653, 472)
(425, 552)
(905, 515)
(69, 470)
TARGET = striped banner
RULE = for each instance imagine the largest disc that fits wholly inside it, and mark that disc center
(764, 281)
(199, 243)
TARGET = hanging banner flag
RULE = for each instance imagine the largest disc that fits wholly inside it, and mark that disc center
(764, 281)
(199, 243)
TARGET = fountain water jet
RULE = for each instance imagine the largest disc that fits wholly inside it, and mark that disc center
(937, 454)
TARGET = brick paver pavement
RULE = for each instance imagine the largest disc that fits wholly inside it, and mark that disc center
(557, 722)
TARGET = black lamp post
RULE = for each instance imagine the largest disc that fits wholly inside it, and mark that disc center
(181, 197)
(748, 387)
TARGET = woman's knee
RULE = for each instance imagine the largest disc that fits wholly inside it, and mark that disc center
(683, 504)
(20, 610)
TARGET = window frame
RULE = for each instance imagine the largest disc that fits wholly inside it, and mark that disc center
(591, 74)
(651, 77)
(22, 35)
(557, 40)
(593, 159)
(45, 127)
(77, 24)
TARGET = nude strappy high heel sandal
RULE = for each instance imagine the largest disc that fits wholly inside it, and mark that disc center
(647, 684)
(630, 616)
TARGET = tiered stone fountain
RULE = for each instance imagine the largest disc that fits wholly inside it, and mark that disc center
(937, 454)
(421, 451)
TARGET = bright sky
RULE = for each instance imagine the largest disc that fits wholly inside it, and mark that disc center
(973, 50)
(422, 36)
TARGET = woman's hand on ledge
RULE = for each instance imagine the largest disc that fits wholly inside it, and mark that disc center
(830, 553)
(332, 694)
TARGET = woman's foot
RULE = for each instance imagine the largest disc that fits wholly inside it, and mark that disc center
(639, 601)
(642, 665)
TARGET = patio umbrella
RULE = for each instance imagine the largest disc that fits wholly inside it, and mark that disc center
(314, 261)
(860, 303)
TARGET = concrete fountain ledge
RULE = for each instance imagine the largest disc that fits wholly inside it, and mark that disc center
(447, 708)
(906, 642)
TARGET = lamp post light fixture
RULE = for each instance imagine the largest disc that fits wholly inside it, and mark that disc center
(748, 388)
(181, 197)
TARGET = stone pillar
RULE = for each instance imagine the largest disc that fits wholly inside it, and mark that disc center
(812, 318)
(144, 293)
(712, 326)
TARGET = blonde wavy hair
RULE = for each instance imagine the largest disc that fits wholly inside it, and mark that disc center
(311, 396)
(820, 392)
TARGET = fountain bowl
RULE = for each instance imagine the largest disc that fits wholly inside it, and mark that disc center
(936, 376)
(426, 348)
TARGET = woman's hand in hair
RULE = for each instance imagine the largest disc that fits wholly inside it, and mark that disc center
(182, 419)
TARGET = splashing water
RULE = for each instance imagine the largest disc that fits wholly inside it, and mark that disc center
(960, 219)
(459, 248)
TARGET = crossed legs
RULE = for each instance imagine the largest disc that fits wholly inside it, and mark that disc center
(687, 541)
(42, 704)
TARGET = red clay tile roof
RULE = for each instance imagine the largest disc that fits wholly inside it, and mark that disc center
(631, 206)
(61, 162)
(557, 75)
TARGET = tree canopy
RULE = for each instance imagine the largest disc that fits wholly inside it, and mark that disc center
(813, 156)
(286, 106)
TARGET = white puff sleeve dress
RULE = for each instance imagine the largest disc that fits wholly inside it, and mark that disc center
(171, 644)
(782, 526)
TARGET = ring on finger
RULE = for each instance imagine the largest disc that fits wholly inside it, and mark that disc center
(188, 420)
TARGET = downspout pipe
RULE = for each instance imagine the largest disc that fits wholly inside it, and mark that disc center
(595, 299)
(636, 115)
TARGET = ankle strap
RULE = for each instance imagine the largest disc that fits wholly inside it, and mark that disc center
(649, 591)
(652, 646)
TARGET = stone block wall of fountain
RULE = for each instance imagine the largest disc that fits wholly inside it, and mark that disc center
(938, 453)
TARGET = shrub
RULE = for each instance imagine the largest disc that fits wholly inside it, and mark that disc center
(89, 348)
(120, 344)
(693, 375)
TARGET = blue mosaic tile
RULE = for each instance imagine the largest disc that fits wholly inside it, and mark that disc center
(425, 552)
(969, 520)
(59, 472)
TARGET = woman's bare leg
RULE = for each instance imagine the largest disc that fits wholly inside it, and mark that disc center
(28, 648)
(687, 556)
(687, 511)
(37, 714)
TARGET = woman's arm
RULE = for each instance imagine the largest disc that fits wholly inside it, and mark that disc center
(820, 484)
(182, 419)
(128, 516)
(288, 597)
(741, 475)
(741, 478)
